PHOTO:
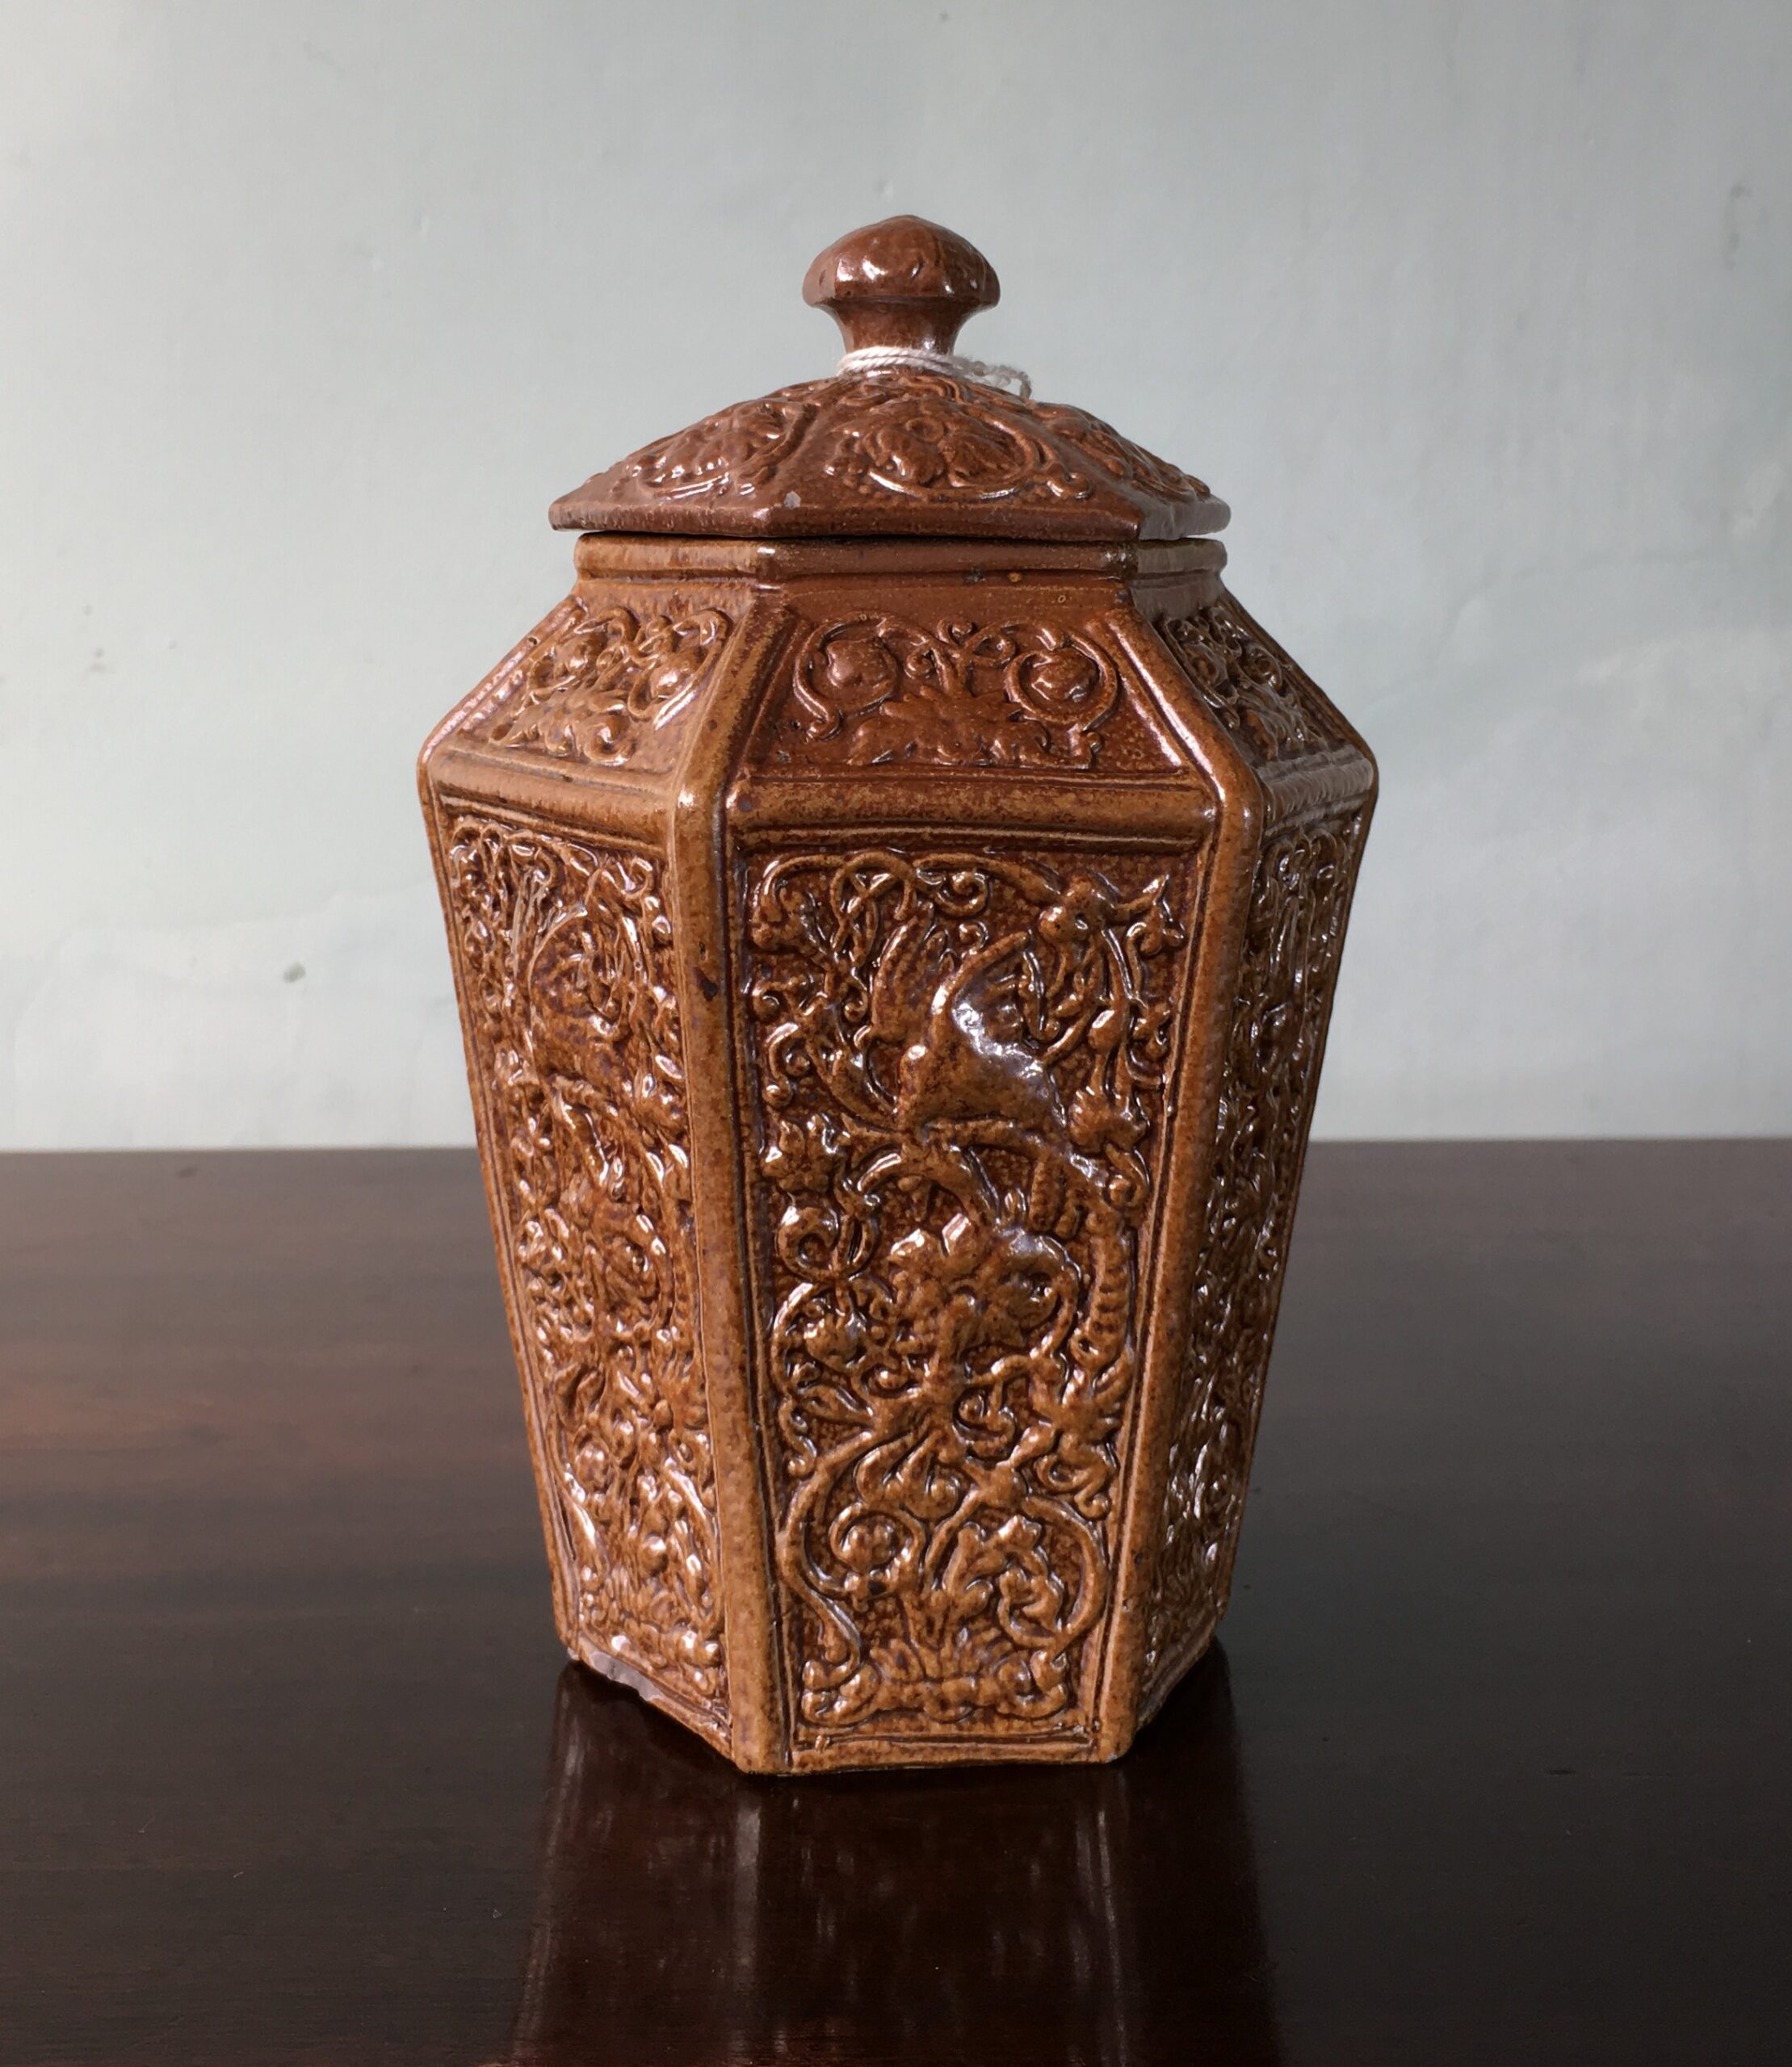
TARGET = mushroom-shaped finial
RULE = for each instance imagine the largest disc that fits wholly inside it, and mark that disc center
(903, 282)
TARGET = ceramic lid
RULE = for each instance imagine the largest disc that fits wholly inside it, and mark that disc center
(904, 440)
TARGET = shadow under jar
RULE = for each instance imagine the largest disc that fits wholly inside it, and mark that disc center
(895, 901)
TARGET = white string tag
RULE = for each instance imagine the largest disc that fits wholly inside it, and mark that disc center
(868, 358)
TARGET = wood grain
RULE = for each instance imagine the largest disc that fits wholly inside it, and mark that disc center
(1491, 1766)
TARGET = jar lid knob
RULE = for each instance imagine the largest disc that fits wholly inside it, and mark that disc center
(903, 282)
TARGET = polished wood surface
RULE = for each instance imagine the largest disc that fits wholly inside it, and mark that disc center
(1492, 1763)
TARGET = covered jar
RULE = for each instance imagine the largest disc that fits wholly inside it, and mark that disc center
(894, 900)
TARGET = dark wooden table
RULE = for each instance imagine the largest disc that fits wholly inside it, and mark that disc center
(1495, 1766)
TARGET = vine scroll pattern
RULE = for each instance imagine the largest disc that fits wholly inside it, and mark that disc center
(593, 685)
(1272, 709)
(565, 952)
(896, 447)
(1294, 937)
(882, 691)
(908, 433)
(960, 1063)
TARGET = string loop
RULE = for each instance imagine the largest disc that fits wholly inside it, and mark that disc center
(869, 358)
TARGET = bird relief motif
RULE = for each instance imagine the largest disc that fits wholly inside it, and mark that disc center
(960, 1063)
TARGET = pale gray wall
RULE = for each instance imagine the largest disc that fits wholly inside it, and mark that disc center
(1478, 314)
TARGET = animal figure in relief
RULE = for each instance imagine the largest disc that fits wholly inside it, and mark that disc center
(960, 1060)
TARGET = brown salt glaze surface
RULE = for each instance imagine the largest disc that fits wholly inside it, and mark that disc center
(895, 973)
(901, 450)
(1491, 1767)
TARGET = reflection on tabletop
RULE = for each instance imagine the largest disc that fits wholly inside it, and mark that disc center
(688, 1913)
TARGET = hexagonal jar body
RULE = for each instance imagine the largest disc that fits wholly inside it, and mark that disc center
(894, 972)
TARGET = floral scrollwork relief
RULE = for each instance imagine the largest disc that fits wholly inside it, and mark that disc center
(1294, 940)
(927, 434)
(879, 690)
(894, 445)
(960, 1063)
(734, 452)
(566, 951)
(600, 681)
(1123, 459)
(1254, 689)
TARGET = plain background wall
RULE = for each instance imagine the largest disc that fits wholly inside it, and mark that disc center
(1480, 315)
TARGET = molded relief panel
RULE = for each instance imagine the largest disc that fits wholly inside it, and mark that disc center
(1025, 678)
(1294, 939)
(602, 682)
(958, 1056)
(564, 952)
(1272, 709)
(904, 450)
